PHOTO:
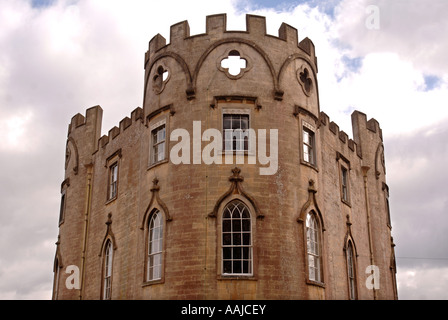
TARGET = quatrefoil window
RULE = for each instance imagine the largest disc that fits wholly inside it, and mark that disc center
(160, 78)
(304, 77)
(233, 64)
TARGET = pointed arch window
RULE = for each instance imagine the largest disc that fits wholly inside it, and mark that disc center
(237, 255)
(313, 242)
(107, 270)
(351, 274)
(155, 247)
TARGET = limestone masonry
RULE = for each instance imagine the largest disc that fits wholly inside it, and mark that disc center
(173, 202)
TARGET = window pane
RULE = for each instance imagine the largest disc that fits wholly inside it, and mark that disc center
(154, 137)
(312, 273)
(237, 253)
(236, 122)
(246, 253)
(246, 267)
(226, 122)
(236, 213)
(161, 134)
(246, 225)
(226, 226)
(114, 172)
(306, 153)
(236, 225)
(228, 139)
(244, 122)
(236, 239)
(246, 214)
(161, 152)
(227, 253)
(226, 239)
(237, 267)
(227, 266)
(246, 239)
(306, 137)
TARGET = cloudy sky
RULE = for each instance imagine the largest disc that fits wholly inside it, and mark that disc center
(60, 57)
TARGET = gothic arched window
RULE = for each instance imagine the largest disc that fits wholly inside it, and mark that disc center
(107, 270)
(313, 243)
(155, 247)
(351, 273)
(237, 255)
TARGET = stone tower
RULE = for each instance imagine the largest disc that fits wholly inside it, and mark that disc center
(229, 183)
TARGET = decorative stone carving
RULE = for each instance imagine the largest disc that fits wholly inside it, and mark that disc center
(304, 77)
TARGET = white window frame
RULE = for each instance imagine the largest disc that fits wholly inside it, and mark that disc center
(112, 191)
(309, 147)
(62, 207)
(237, 112)
(155, 247)
(344, 184)
(344, 178)
(155, 128)
(245, 238)
(107, 271)
(313, 248)
(351, 272)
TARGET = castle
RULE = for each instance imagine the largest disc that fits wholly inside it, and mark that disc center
(179, 202)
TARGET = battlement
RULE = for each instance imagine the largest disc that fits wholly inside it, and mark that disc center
(93, 115)
(360, 125)
(359, 120)
(324, 119)
(136, 114)
(216, 26)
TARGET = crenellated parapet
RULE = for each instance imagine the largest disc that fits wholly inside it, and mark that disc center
(190, 53)
(93, 117)
(365, 132)
(216, 27)
(342, 136)
(125, 123)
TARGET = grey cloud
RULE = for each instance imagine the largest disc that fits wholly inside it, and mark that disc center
(414, 29)
(417, 174)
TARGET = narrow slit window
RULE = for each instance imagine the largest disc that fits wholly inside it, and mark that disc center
(344, 184)
(308, 146)
(113, 181)
(62, 208)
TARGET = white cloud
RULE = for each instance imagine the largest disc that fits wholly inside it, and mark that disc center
(412, 29)
(13, 131)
